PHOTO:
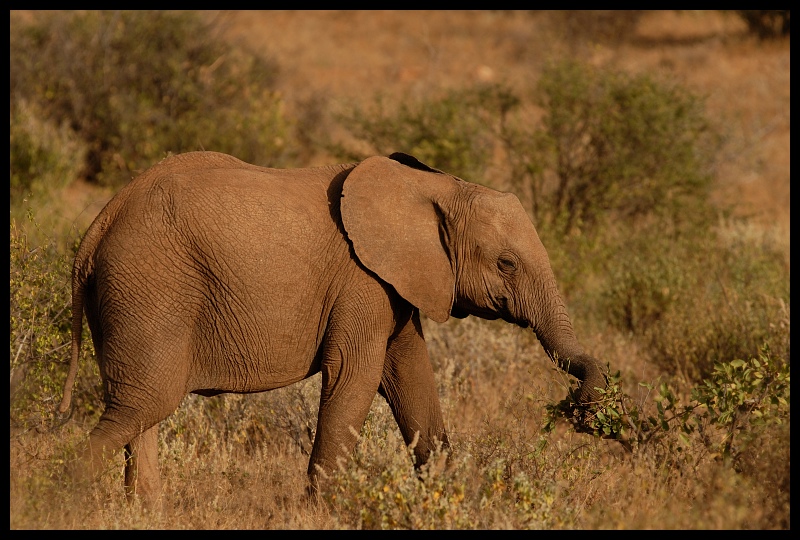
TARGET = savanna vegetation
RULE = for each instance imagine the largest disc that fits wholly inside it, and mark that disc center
(652, 152)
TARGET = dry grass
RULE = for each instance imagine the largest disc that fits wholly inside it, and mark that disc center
(238, 462)
(222, 470)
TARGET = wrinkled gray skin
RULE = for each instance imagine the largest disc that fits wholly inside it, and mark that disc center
(208, 275)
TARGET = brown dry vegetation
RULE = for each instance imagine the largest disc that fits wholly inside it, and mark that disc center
(239, 461)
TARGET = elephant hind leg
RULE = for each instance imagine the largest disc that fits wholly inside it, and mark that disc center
(105, 440)
(137, 431)
(142, 477)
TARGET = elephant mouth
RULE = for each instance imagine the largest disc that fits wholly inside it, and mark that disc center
(502, 307)
(461, 313)
(519, 322)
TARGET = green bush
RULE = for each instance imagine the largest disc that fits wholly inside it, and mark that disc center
(616, 147)
(611, 147)
(40, 336)
(456, 132)
(743, 399)
(43, 155)
(739, 403)
(136, 85)
(697, 301)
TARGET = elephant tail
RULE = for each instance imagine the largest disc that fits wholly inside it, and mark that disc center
(82, 270)
(78, 291)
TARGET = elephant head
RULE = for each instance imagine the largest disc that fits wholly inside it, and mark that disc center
(455, 248)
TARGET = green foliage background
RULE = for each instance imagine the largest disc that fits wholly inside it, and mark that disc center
(134, 85)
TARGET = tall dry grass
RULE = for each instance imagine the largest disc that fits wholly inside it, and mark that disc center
(237, 462)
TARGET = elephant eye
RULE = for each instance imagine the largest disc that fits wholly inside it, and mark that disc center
(507, 264)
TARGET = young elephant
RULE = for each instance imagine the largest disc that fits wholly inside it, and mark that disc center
(208, 275)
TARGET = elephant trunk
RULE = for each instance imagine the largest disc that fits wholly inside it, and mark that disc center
(553, 328)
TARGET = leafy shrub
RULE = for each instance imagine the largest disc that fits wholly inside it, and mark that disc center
(610, 146)
(455, 132)
(697, 301)
(136, 85)
(379, 489)
(619, 147)
(43, 155)
(740, 402)
(743, 398)
(40, 336)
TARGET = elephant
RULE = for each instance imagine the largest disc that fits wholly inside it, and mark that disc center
(209, 275)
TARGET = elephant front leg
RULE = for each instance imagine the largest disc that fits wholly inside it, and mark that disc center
(409, 386)
(350, 379)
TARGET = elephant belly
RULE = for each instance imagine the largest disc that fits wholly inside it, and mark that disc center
(254, 354)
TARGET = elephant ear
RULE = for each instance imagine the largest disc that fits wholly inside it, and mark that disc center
(413, 162)
(392, 219)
